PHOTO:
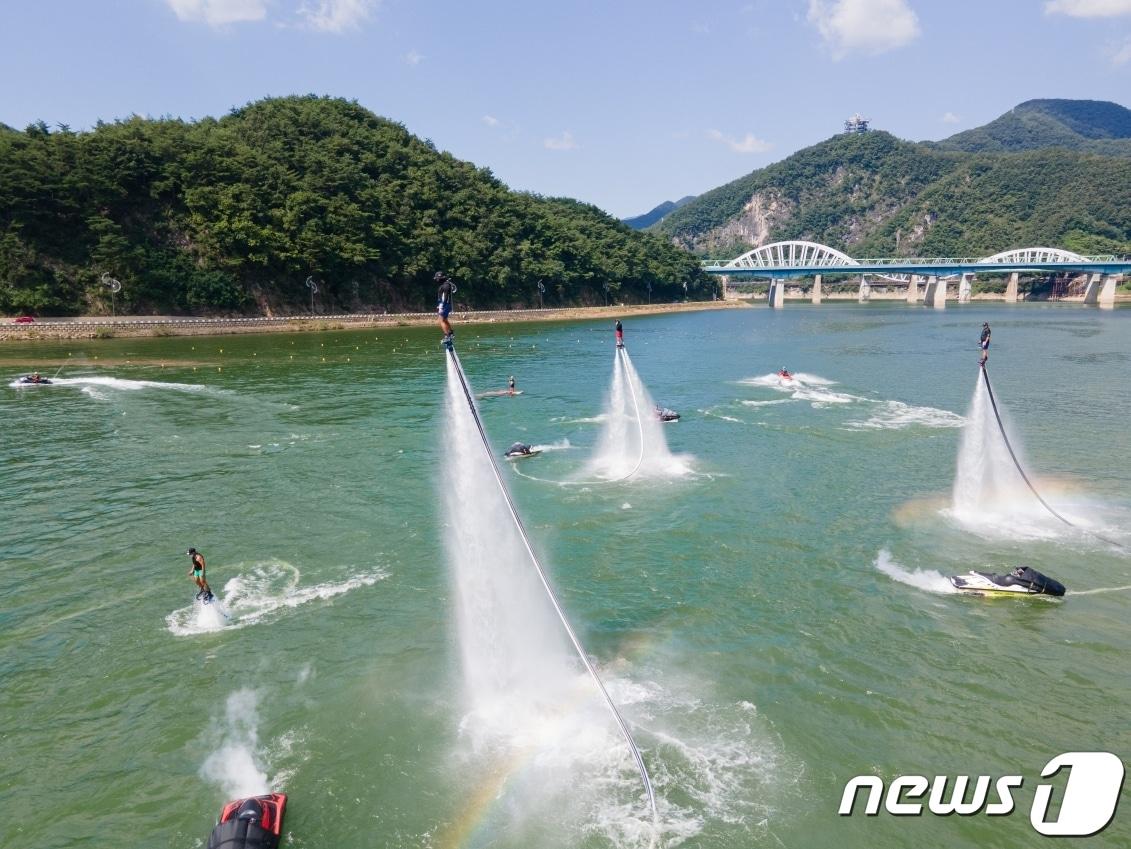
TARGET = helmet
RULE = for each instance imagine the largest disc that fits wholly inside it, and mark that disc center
(191, 551)
(985, 324)
(439, 276)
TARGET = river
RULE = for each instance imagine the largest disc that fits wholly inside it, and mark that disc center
(766, 602)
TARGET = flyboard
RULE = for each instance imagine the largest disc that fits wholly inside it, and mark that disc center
(498, 393)
(545, 581)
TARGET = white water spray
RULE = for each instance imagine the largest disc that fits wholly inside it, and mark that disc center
(234, 762)
(516, 664)
(988, 489)
(632, 439)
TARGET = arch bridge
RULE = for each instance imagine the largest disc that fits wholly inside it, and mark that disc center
(781, 261)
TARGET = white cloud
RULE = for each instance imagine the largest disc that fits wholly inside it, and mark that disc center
(950, 118)
(867, 26)
(490, 120)
(1088, 8)
(217, 13)
(413, 58)
(747, 144)
(563, 142)
(336, 15)
(1122, 56)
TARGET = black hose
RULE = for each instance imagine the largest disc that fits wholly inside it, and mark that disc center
(1021, 471)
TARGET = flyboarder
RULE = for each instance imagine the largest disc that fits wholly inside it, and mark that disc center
(985, 343)
(510, 385)
(196, 572)
(620, 334)
(444, 305)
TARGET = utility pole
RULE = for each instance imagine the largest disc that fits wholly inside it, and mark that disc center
(541, 291)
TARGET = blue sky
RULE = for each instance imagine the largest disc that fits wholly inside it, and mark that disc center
(621, 103)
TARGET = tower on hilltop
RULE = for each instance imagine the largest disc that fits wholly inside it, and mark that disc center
(856, 124)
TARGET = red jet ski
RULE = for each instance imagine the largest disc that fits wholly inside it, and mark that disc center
(252, 823)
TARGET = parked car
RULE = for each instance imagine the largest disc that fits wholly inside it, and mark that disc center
(25, 319)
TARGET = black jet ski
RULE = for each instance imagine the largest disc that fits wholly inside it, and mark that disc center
(666, 415)
(1021, 581)
(520, 450)
(28, 380)
(252, 823)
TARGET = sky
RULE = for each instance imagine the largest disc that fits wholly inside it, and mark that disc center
(619, 103)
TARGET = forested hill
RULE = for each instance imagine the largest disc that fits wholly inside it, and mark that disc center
(232, 215)
(1095, 126)
(872, 194)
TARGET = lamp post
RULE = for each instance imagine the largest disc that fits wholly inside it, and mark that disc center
(115, 286)
(313, 287)
(541, 291)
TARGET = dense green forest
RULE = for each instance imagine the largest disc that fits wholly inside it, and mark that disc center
(872, 194)
(232, 215)
(1095, 126)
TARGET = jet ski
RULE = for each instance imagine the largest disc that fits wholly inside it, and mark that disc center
(785, 375)
(1021, 581)
(520, 450)
(28, 380)
(252, 823)
(666, 415)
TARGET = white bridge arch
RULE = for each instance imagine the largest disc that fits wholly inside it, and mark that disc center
(792, 253)
(1030, 256)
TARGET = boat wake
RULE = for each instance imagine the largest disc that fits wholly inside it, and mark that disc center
(265, 590)
(885, 415)
(921, 579)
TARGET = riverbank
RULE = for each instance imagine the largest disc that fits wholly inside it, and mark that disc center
(105, 327)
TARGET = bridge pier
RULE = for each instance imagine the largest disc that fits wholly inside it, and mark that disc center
(817, 288)
(776, 295)
(865, 290)
(1011, 288)
(935, 294)
(1102, 294)
(913, 289)
(964, 288)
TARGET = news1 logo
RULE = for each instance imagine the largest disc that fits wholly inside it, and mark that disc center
(1087, 804)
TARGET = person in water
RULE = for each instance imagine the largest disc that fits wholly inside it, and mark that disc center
(35, 378)
(510, 385)
(985, 343)
(784, 373)
(196, 572)
(444, 305)
(620, 334)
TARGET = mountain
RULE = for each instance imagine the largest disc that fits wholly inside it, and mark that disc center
(1096, 126)
(872, 194)
(640, 222)
(234, 214)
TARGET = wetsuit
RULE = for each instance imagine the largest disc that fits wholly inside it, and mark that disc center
(985, 338)
(444, 299)
(620, 334)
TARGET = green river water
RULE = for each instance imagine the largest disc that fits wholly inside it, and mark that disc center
(772, 616)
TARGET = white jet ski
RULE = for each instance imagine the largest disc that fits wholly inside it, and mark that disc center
(1021, 581)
